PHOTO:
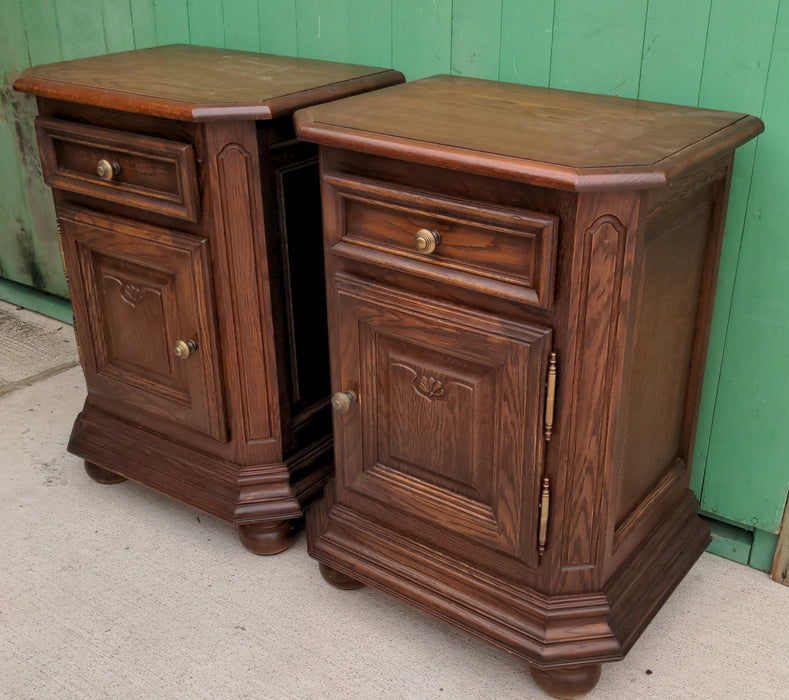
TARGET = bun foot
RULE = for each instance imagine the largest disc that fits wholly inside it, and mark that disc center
(271, 537)
(338, 580)
(101, 475)
(568, 682)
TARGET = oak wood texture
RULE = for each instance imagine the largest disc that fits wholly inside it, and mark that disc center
(197, 83)
(440, 461)
(522, 132)
(208, 236)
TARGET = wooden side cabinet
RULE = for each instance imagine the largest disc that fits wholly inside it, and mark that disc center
(189, 219)
(520, 283)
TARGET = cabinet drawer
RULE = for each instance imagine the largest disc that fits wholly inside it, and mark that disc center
(505, 251)
(145, 172)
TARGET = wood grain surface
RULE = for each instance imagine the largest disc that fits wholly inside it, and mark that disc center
(200, 83)
(574, 140)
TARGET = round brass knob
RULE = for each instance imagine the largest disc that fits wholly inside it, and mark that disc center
(183, 349)
(106, 169)
(427, 240)
(343, 400)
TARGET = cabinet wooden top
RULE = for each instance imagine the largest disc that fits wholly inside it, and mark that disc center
(195, 83)
(563, 139)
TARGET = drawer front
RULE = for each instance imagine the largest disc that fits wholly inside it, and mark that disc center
(504, 251)
(145, 172)
(145, 320)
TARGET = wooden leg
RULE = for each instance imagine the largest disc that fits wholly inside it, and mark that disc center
(101, 475)
(338, 580)
(269, 537)
(569, 682)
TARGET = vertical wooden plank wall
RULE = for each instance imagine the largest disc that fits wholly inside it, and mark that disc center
(725, 54)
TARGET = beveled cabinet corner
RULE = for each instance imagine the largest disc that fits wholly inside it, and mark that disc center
(519, 291)
(189, 220)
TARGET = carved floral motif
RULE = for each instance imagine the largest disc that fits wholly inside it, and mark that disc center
(131, 294)
(429, 387)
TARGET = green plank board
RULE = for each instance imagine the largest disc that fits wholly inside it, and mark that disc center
(526, 42)
(206, 23)
(16, 248)
(421, 37)
(118, 31)
(242, 30)
(42, 32)
(17, 243)
(597, 46)
(747, 475)
(738, 54)
(322, 27)
(729, 542)
(673, 55)
(277, 22)
(476, 34)
(143, 14)
(36, 243)
(763, 550)
(81, 29)
(735, 61)
(172, 22)
(727, 270)
(44, 263)
(370, 32)
(35, 300)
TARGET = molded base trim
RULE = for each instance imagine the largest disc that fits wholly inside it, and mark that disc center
(239, 495)
(547, 631)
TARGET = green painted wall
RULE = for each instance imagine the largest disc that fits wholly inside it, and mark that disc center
(725, 54)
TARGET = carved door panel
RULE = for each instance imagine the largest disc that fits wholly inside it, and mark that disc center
(444, 441)
(144, 289)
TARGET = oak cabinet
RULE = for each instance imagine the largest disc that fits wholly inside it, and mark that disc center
(519, 287)
(189, 219)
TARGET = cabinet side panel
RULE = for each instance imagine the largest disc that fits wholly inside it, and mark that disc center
(651, 472)
(669, 281)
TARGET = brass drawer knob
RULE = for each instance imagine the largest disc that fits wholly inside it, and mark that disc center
(343, 400)
(183, 349)
(107, 170)
(427, 240)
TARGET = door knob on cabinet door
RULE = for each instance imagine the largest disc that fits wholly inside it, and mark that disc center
(427, 240)
(343, 400)
(183, 349)
(106, 169)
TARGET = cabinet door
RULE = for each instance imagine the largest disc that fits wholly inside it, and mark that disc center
(444, 441)
(136, 291)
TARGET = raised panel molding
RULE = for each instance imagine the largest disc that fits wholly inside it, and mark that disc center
(439, 443)
(241, 223)
(148, 317)
(603, 250)
(448, 396)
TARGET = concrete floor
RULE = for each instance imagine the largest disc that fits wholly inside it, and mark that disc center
(118, 592)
